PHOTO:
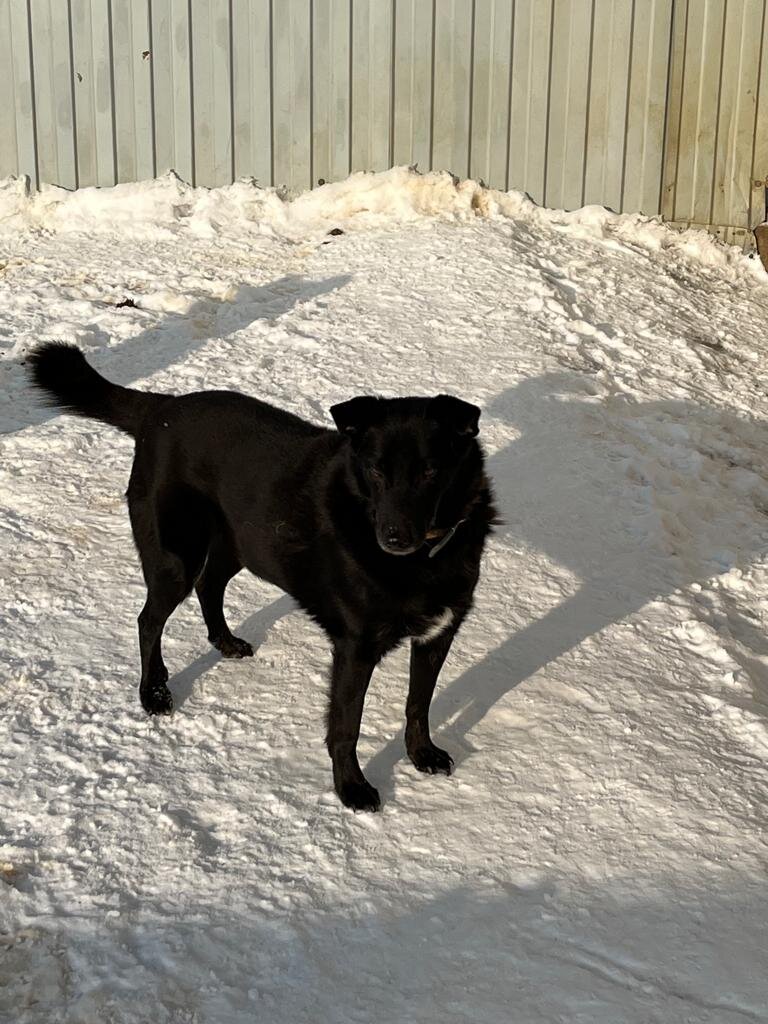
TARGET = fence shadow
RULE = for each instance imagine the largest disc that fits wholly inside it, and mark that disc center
(166, 340)
(666, 950)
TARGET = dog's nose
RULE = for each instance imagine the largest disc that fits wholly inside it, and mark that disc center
(396, 540)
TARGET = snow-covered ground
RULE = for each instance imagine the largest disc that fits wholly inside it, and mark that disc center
(599, 855)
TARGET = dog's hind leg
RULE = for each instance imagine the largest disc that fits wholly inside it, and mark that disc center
(221, 565)
(172, 536)
(168, 583)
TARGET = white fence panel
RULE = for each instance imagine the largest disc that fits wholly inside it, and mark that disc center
(652, 105)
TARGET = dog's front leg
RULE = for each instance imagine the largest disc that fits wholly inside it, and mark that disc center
(352, 671)
(426, 661)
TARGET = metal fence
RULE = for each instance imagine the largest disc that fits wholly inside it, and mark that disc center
(652, 105)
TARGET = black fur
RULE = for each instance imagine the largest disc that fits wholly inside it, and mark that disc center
(71, 384)
(347, 522)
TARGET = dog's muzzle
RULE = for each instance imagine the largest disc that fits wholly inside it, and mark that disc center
(396, 540)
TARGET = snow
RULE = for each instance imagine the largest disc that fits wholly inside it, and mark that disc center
(598, 857)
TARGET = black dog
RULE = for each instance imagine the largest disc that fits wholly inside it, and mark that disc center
(376, 531)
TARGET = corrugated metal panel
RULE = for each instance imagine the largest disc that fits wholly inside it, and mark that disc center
(646, 105)
(452, 73)
(413, 82)
(52, 76)
(291, 94)
(490, 90)
(8, 141)
(702, 74)
(132, 79)
(94, 92)
(252, 89)
(531, 67)
(20, 45)
(331, 108)
(212, 90)
(712, 142)
(656, 105)
(569, 99)
(759, 194)
(609, 81)
(170, 65)
(371, 74)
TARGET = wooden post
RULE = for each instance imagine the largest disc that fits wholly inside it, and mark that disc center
(761, 238)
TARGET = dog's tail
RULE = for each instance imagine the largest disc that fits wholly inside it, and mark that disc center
(70, 383)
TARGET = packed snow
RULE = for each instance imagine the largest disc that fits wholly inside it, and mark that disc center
(598, 857)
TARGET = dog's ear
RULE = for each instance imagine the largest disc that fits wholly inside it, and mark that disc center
(354, 416)
(458, 416)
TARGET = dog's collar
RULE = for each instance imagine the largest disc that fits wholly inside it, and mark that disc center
(446, 537)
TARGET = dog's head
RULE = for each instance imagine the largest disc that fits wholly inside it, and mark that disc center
(406, 453)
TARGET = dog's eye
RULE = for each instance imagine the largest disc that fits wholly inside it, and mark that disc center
(428, 473)
(375, 473)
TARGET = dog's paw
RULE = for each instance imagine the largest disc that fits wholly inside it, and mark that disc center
(432, 760)
(233, 647)
(360, 796)
(156, 699)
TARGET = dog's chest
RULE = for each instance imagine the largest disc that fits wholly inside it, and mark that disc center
(422, 619)
(429, 610)
(427, 628)
(419, 619)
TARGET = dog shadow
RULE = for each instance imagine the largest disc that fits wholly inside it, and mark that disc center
(636, 501)
(167, 339)
(254, 629)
